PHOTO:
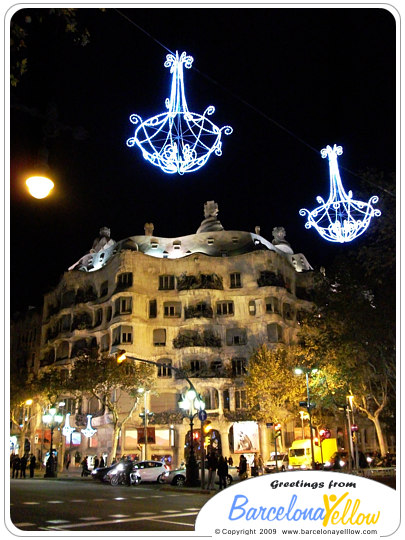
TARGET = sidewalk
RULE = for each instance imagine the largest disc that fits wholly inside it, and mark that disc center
(74, 473)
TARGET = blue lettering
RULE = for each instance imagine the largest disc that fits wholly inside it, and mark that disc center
(235, 506)
(292, 504)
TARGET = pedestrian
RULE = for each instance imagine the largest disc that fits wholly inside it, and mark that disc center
(16, 465)
(128, 469)
(230, 461)
(212, 469)
(33, 460)
(260, 464)
(222, 470)
(242, 469)
(102, 464)
(85, 469)
(96, 463)
(23, 466)
(68, 459)
(255, 466)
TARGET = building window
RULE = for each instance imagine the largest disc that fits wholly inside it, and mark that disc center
(124, 280)
(159, 337)
(288, 312)
(225, 308)
(105, 343)
(236, 336)
(69, 405)
(235, 280)
(274, 333)
(240, 399)
(123, 305)
(196, 366)
(152, 309)
(172, 309)
(252, 307)
(104, 289)
(122, 334)
(108, 314)
(166, 283)
(238, 366)
(66, 323)
(165, 370)
(225, 397)
(99, 317)
(272, 305)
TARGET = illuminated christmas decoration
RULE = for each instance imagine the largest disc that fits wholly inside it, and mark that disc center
(67, 430)
(178, 140)
(88, 431)
(340, 218)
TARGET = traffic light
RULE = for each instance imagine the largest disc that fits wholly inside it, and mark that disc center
(277, 430)
(316, 441)
(207, 426)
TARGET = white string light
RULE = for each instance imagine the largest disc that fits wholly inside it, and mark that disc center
(178, 140)
(340, 218)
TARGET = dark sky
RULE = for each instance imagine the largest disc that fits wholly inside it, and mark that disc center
(289, 81)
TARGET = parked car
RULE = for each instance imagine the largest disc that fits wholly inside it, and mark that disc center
(177, 477)
(101, 473)
(282, 462)
(151, 471)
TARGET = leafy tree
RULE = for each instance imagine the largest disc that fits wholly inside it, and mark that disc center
(109, 382)
(28, 22)
(273, 390)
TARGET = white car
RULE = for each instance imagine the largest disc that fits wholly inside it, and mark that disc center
(282, 462)
(151, 471)
(177, 477)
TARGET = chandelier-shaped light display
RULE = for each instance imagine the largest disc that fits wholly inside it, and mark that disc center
(67, 429)
(88, 431)
(178, 140)
(340, 218)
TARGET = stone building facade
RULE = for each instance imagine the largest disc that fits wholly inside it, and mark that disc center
(200, 302)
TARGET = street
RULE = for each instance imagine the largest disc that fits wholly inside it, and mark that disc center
(80, 506)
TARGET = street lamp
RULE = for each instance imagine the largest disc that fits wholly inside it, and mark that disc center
(352, 432)
(145, 415)
(39, 186)
(309, 405)
(193, 403)
(53, 419)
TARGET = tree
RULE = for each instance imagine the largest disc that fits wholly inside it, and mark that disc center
(273, 391)
(109, 382)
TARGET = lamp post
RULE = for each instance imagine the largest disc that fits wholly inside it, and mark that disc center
(145, 415)
(192, 398)
(53, 419)
(352, 432)
(308, 371)
(192, 402)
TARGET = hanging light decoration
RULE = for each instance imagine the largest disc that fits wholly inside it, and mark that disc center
(67, 429)
(178, 140)
(340, 218)
(88, 431)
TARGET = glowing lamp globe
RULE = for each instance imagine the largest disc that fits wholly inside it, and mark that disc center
(39, 186)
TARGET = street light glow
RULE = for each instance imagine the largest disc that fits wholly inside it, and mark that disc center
(39, 186)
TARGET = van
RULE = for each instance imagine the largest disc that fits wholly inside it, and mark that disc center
(300, 457)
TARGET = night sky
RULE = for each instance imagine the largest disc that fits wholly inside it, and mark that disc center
(289, 81)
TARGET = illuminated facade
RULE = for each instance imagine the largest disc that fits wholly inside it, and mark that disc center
(199, 302)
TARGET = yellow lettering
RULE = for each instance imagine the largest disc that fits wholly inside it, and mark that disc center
(329, 509)
(355, 507)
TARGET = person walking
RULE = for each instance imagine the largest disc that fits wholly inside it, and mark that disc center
(260, 464)
(212, 469)
(33, 461)
(16, 466)
(68, 459)
(101, 462)
(230, 461)
(23, 466)
(96, 463)
(222, 472)
(242, 469)
(85, 470)
(255, 466)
